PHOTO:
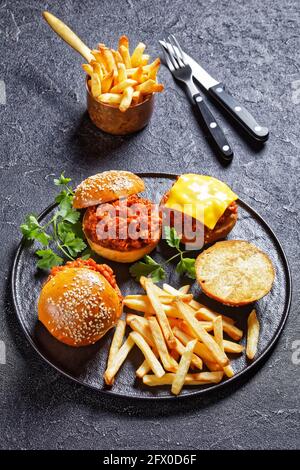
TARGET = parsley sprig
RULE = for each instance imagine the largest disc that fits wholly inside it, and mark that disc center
(149, 267)
(63, 231)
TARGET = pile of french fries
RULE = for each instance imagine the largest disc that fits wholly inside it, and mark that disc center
(121, 79)
(178, 337)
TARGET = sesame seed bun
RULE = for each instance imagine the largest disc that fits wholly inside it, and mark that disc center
(122, 256)
(234, 272)
(107, 187)
(78, 306)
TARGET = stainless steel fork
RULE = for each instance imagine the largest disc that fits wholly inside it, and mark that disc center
(182, 71)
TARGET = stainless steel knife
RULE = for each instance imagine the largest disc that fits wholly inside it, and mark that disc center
(217, 91)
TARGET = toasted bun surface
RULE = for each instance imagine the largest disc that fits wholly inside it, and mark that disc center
(122, 256)
(78, 306)
(106, 187)
(234, 272)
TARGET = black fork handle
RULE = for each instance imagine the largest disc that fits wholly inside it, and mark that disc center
(213, 128)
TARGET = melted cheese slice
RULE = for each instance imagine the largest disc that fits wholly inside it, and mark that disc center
(203, 197)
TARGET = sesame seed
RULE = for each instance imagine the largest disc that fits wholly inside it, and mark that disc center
(83, 295)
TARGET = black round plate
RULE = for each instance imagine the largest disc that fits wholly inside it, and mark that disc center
(86, 365)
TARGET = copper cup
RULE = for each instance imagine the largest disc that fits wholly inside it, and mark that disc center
(111, 120)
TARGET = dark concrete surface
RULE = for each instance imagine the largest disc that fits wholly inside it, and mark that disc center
(253, 47)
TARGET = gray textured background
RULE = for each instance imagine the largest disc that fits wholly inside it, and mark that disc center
(253, 47)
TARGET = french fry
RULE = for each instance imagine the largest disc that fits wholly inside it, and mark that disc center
(95, 85)
(215, 350)
(108, 59)
(234, 332)
(143, 329)
(201, 378)
(196, 361)
(132, 316)
(123, 41)
(107, 81)
(184, 289)
(148, 353)
(126, 99)
(200, 350)
(160, 313)
(149, 86)
(231, 347)
(120, 87)
(138, 75)
(145, 59)
(117, 56)
(165, 299)
(213, 366)
(208, 326)
(218, 331)
(143, 369)
(110, 98)
(98, 55)
(97, 68)
(138, 305)
(252, 335)
(153, 65)
(175, 355)
(204, 312)
(131, 71)
(153, 72)
(123, 352)
(88, 69)
(183, 367)
(122, 75)
(147, 309)
(161, 345)
(218, 334)
(125, 56)
(116, 342)
(136, 57)
(137, 95)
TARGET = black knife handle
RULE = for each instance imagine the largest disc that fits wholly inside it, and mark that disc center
(239, 113)
(213, 128)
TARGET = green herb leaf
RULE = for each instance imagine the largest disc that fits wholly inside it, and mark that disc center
(172, 238)
(149, 260)
(72, 216)
(31, 227)
(65, 206)
(43, 238)
(187, 266)
(158, 274)
(62, 195)
(86, 254)
(32, 230)
(65, 229)
(147, 267)
(48, 259)
(75, 246)
(62, 180)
